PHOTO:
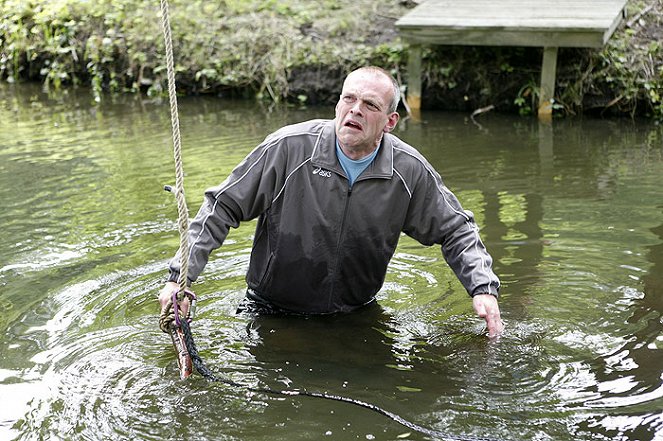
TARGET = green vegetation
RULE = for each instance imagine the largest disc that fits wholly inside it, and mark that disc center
(631, 65)
(246, 46)
(299, 51)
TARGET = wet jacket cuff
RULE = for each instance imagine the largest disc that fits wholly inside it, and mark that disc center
(174, 277)
(490, 289)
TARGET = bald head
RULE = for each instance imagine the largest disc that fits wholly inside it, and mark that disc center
(380, 72)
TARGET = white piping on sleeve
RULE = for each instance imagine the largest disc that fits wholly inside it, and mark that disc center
(317, 143)
(202, 230)
(444, 191)
(409, 192)
(229, 184)
(288, 177)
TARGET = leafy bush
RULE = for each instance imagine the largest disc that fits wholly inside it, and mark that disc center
(250, 45)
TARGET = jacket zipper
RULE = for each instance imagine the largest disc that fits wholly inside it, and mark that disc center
(341, 235)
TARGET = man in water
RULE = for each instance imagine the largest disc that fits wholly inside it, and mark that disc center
(332, 198)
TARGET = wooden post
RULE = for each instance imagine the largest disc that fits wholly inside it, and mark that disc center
(414, 78)
(547, 90)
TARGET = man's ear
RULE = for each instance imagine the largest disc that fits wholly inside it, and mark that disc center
(391, 122)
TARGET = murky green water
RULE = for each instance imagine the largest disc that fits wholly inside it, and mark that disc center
(572, 214)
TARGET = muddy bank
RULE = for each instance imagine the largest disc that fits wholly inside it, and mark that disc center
(300, 51)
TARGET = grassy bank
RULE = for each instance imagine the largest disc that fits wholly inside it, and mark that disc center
(299, 51)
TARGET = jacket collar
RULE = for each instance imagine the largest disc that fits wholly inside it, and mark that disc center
(324, 155)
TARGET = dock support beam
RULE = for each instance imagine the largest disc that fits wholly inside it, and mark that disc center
(547, 90)
(414, 77)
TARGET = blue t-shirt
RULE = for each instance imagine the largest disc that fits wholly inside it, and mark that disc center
(353, 168)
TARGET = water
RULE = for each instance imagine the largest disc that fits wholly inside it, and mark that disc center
(571, 213)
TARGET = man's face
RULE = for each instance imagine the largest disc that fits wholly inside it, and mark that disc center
(362, 112)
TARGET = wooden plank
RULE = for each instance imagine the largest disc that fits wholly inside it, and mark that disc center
(522, 13)
(517, 8)
(487, 37)
(555, 23)
(506, 19)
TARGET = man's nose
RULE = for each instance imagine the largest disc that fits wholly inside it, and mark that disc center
(356, 107)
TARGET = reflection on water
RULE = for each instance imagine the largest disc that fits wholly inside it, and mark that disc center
(572, 214)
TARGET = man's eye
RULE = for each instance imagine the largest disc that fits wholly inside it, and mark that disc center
(348, 98)
(372, 106)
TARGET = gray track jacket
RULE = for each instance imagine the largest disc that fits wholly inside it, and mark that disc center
(320, 246)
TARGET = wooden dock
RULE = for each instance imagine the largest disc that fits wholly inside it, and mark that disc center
(549, 24)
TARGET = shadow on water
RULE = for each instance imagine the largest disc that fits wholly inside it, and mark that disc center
(570, 212)
(629, 380)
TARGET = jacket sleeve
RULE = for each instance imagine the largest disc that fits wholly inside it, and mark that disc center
(435, 216)
(244, 195)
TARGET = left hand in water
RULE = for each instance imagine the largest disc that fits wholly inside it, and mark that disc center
(487, 308)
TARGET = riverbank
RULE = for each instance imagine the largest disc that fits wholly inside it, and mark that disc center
(283, 50)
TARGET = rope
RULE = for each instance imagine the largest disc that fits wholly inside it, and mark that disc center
(169, 316)
(183, 214)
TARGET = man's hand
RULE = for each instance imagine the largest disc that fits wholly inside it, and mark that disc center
(487, 308)
(166, 296)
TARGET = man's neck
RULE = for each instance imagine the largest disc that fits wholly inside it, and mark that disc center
(356, 154)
